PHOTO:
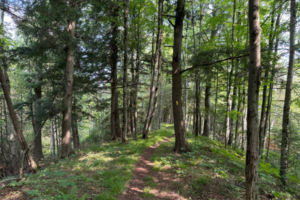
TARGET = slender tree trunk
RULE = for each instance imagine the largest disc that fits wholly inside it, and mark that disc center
(52, 139)
(74, 132)
(273, 70)
(252, 154)
(67, 112)
(287, 100)
(161, 104)
(237, 124)
(124, 133)
(181, 144)
(206, 131)
(243, 116)
(227, 119)
(216, 101)
(231, 120)
(155, 74)
(197, 80)
(263, 116)
(137, 77)
(57, 134)
(233, 105)
(15, 122)
(186, 80)
(132, 94)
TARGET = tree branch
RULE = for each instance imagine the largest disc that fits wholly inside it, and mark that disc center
(208, 64)
(171, 23)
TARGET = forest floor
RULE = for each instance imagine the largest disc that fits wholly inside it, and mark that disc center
(150, 170)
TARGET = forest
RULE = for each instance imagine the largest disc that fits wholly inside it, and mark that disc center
(149, 99)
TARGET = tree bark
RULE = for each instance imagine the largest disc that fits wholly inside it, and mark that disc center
(186, 80)
(206, 131)
(287, 99)
(132, 93)
(69, 77)
(124, 133)
(252, 154)
(37, 151)
(115, 132)
(181, 144)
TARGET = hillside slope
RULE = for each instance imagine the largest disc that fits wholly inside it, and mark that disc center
(103, 172)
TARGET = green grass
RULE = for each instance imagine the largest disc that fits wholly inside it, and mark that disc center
(99, 172)
(209, 169)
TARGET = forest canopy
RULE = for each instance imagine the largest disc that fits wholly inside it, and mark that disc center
(79, 75)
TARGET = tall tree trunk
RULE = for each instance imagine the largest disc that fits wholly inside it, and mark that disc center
(132, 93)
(181, 144)
(287, 99)
(186, 80)
(37, 152)
(252, 154)
(206, 131)
(273, 70)
(263, 115)
(124, 133)
(233, 105)
(161, 104)
(155, 74)
(115, 132)
(197, 80)
(216, 102)
(237, 124)
(231, 120)
(137, 77)
(67, 112)
(244, 114)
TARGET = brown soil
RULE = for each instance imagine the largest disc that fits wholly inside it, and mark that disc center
(135, 188)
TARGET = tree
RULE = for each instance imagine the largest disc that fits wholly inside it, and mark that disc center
(125, 123)
(154, 88)
(115, 122)
(287, 99)
(181, 144)
(69, 77)
(16, 124)
(252, 154)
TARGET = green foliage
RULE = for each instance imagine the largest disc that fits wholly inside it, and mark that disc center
(201, 183)
(33, 193)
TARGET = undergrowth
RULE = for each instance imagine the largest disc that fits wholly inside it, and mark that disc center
(99, 172)
(210, 170)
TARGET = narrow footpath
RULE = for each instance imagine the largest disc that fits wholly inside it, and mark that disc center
(135, 188)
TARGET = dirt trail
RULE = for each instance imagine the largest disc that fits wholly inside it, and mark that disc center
(135, 188)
